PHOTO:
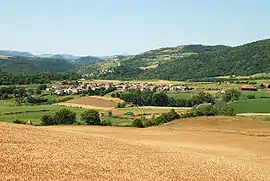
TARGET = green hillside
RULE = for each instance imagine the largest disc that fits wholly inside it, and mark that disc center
(132, 66)
(86, 60)
(19, 64)
(247, 59)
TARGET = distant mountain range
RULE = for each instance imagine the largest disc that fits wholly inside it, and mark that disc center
(171, 63)
(15, 62)
(15, 53)
(59, 56)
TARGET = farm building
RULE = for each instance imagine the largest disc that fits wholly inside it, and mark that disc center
(248, 88)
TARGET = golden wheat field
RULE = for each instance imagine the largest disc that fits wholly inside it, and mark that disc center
(215, 148)
(92, 102)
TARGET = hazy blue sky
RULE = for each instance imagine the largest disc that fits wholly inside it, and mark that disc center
(106, 27)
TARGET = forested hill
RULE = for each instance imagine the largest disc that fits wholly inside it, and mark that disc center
(247, 59)
(132, 65)
(19, 64)
(86, 60)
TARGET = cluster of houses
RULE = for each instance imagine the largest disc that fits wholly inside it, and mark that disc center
(253, 88)
(84, 87)
(81, 87)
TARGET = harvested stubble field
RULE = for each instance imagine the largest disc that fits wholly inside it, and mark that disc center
(147, 110)
(92, 102)
(216, 148)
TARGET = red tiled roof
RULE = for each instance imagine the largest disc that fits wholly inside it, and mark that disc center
(247, 87)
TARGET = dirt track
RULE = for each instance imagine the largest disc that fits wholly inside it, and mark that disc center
(218, 148)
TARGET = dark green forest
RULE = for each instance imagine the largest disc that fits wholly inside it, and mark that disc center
(247, 59)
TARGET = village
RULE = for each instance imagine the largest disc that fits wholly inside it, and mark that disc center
(81, 87)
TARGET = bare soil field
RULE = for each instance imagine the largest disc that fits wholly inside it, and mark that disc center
(92, 102)
(207, 148)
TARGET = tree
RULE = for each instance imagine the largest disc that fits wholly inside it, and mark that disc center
(65, 116)
(202, 97)
(160, 99)
(232, 95)
(38, 91)
(47, 120)
(262, 86)
(91, 117)
(268, 86)
(223, 108)
(42, 87)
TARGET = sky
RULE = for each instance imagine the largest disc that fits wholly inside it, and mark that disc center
(110, 27)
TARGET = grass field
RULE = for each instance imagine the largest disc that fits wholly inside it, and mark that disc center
(258, 94)
(10, 112)
(252, 106)
(205, 148)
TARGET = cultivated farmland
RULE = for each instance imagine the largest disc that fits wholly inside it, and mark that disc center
(216, 148)
(92, 102)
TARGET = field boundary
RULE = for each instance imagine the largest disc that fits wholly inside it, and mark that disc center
(253, 114)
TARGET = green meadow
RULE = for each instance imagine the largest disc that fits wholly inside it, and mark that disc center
(9, 112)
(252, 106)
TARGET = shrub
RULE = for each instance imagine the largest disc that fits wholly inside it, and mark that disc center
(19, 122)
(109, 113)
(172, 115)
(78, 123)
(121, 105)
(138, 123)
(106, 123)
(90, 117)
(220, 108)
(129, 114)
(149, 122)
(251, 96)
(65, 116)
(47, 120)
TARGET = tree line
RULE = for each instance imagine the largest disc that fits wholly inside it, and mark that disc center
(66, 116)
(38, 78)
(152, 98)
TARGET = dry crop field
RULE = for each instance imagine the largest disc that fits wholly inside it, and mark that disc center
(206, 148)
(92, 102)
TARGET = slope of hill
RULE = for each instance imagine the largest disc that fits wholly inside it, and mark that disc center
(131, 66)
(212, 148)
(19, 64)
(59, 56)
(86, 60)
(247, 59)
(15, 53)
